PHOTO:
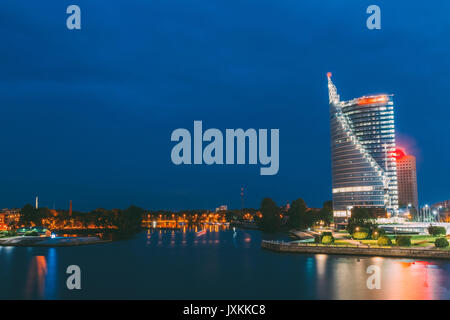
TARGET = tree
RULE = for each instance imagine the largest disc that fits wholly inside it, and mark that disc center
(271, 220)
(436, 231)
(27, 215)
(361, 218)
(40, 214)
(128, 221)
(83, 218)
(297, 214)
(326, 213)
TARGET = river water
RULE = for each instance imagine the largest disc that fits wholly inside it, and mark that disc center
(221, 264)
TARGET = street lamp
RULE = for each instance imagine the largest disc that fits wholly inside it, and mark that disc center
(409, 209)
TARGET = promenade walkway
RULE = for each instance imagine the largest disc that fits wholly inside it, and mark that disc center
(20, 241)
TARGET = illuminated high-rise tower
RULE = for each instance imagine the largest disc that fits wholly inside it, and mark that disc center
(407, 180)
(363, 153)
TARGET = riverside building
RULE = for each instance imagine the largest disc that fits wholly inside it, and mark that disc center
(363, 148)
(407, 180)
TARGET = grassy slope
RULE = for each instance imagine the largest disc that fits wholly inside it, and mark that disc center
(417, 241)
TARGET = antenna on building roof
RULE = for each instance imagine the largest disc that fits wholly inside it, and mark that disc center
(332, 91)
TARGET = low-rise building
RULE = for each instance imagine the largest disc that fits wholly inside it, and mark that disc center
(222, 208)
(443, 210)
(8, 218)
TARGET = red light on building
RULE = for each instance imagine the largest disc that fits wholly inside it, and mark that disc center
(399, 154)
(372, 100)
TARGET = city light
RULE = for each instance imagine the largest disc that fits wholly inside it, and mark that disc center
(372, 100)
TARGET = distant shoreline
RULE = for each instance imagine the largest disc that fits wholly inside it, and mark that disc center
(25, 241)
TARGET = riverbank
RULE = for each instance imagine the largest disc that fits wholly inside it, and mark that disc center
(358, 251)
(20, 241)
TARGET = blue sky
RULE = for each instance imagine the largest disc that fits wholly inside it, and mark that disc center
(87, 115)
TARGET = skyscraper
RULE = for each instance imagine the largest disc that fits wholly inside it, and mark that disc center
(407, 180)
(363, 153)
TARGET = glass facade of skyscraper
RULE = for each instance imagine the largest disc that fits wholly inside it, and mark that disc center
(363, 153)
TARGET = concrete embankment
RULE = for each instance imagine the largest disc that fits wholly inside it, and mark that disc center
(357, 251)
(49, 242)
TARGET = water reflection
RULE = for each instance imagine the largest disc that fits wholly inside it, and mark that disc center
(407, 280)
(207, 236)
(6, 253)
(321, 261)
(212, 265)
(52, 274)
(37, 273)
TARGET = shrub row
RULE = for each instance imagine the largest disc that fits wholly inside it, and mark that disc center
(360, 235)
(364, 233)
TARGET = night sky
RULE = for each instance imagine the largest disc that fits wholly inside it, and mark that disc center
(87, 115)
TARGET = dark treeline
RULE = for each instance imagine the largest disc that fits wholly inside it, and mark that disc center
(270, 218)
(121, 220)
(274, 218)
(126, 221)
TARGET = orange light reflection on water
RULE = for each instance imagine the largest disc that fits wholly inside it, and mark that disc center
(36, 277)
(400, 279)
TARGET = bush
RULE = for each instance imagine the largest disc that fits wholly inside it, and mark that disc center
(403, 241)
(31, 234)
(384, 241)
(360, 235)
(441, 243)
(319, 238)
(436, 231)
(327, 239)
